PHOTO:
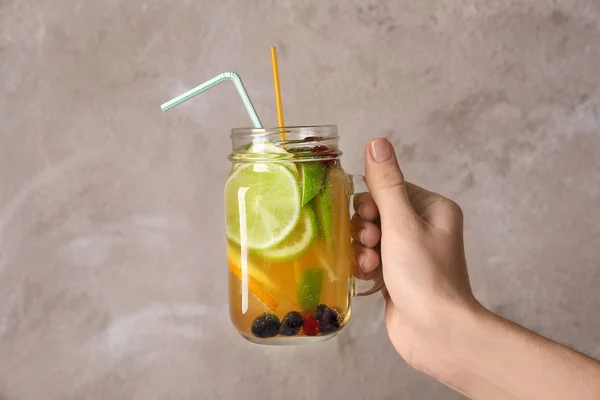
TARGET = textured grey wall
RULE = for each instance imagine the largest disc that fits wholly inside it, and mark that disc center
(112, 273)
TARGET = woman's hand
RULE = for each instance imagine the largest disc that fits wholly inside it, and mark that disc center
(432, 318)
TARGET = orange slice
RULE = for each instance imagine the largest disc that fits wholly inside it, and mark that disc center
(256, 279)
(318, 251)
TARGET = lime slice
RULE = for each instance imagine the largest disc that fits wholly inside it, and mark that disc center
(262, 204)
(261, 151)
(309, 288)
(298, 241)
(269, 148)
(323, 207)
(313, 174)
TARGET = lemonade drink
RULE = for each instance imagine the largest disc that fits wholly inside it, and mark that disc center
(288, 241)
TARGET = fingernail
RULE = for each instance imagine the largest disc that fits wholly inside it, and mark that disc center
(361, 210)
(361, 235)
(361, 259)
(381, 150)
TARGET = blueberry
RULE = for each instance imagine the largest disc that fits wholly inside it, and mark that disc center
(265, 325)
(291, 324)
(320, 310)
(329, 320)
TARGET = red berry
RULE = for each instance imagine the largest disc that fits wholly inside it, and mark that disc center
(324, 149)
(320, 149)
(312, 139)
(310, 325)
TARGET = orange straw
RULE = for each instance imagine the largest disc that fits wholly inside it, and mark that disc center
(277, 90)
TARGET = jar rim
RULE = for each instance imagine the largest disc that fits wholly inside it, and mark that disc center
(303, 143)
(325, 131)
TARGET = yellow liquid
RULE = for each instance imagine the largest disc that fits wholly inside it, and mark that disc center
(273, 286)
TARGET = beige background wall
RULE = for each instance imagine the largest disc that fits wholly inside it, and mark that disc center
(112, 278)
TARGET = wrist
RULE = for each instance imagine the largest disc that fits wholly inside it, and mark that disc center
(444, 341)
(463, 342)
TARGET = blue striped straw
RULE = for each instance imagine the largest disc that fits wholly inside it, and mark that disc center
(232, 76)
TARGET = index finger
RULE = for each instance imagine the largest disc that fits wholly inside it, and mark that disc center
(365, 206)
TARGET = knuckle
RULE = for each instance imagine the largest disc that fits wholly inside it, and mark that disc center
(414, 225)
(364, 197)
(392, 177)
(354, 224)
(455, 208)
(358, 200)
(357, 222)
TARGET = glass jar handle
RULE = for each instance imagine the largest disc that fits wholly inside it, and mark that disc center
(358, 186)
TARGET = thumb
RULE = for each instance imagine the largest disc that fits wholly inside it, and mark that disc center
(387, 186)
